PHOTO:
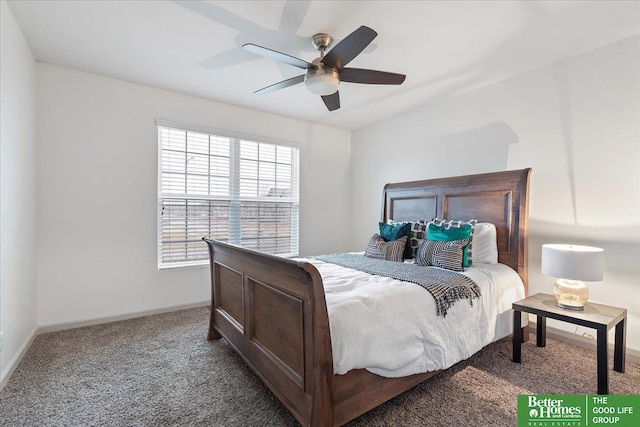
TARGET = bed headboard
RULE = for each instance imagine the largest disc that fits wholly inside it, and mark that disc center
(501, 198)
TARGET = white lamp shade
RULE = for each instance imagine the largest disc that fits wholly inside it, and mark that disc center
(573, 262)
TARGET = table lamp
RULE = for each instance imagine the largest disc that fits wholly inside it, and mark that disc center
(571, 264)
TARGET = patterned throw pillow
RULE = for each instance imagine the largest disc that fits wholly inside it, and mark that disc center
(394, 231)
(418, 231)
(443, 230)
(391, 251)
(443, 254)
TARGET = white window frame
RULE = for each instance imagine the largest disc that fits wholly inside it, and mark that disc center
(234, 198)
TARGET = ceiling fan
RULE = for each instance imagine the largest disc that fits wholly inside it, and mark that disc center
(324, 74)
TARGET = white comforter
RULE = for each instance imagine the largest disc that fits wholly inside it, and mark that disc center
(390, 327)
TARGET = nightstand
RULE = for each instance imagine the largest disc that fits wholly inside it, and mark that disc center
(597, 316)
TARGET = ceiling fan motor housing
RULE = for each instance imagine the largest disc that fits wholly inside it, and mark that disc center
(322, 80)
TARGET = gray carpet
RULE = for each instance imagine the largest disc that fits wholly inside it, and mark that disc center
(161, 371)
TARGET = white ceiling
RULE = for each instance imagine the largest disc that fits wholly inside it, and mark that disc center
(444, 47)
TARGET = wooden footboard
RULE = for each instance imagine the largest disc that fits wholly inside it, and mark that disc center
(272, 310)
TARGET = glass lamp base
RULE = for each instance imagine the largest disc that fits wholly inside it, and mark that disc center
(570, 294)
(570, 307)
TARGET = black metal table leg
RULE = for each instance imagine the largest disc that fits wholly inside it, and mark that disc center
(517, 336)
(620, 345)
(603, 368)
(541, 331)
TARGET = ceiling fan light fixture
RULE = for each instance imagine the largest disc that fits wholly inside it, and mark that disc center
(322, 80)
(322, 84)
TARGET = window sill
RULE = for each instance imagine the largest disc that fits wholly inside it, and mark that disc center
(183, 265)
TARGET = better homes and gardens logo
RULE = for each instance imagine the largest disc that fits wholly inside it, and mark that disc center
(571, 410)
(555, 410)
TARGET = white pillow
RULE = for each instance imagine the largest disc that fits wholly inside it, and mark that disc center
(484, 245)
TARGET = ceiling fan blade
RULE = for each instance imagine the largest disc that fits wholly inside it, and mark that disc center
(278, 56)
(332, 101)
(350, 47)
(372, 77)
(281, 85)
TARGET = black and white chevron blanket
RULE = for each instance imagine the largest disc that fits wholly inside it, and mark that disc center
(446, 286)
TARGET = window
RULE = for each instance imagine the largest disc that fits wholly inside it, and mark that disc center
(226, 188)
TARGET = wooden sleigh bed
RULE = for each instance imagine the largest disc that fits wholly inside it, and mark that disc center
(272, 310)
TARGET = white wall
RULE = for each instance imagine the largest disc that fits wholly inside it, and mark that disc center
(575, 122)
(97, 252)
(18, 317)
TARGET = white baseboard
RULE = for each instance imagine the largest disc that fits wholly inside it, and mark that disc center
(580, 341)
(13, 364)
(53, 327)
(89, 322)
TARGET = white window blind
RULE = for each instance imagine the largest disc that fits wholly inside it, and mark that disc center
(229, 189)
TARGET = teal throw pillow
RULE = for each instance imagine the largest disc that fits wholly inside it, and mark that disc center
(446, 233)
(390, 232)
